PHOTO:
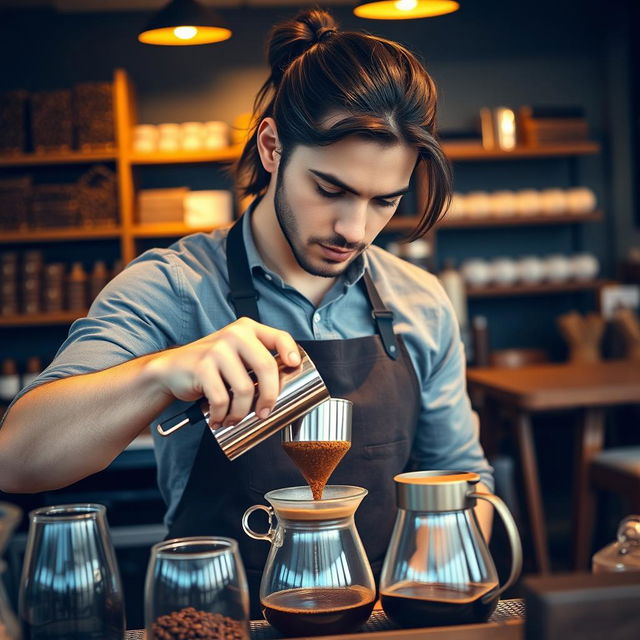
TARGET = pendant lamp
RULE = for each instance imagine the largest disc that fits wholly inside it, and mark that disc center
(405, 9)
(184, 22)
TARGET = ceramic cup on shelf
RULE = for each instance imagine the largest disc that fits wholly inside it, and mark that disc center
(170, 135)
(527, 202)
(192, 138)
(502, 203)
(553, 202)
(477, 204)
(145, 138)
(458, 207)
(504, 271)
(217, 134)
(580, 200)
(476, 272)
(557, 268)
(584, 266)
(531, 270)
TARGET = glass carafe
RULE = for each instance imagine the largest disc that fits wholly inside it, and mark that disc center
(624, 553)
(317, 579)
(438, 569)
(70, 587)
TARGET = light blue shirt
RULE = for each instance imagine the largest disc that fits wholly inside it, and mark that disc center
(169, 297)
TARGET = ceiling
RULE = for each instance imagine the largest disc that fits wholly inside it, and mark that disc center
(149, 5)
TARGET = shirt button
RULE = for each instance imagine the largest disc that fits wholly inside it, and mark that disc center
(316, 317)
(268, 276)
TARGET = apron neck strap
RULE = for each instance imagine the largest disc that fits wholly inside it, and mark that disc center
(244, 297)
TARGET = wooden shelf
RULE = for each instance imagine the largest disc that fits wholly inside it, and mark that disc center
(59, 235)
(186, 157)
(535, 289)
(70, 157)
(41, 319)
(466, 151)
(166, 230)
(406, 223)
(512, 221)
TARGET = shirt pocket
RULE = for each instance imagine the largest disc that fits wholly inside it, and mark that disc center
(386, 450)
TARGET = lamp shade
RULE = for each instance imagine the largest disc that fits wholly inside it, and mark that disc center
(405, 9)
(184, 22)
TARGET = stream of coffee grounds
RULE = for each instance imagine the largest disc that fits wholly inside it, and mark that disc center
(316, 460)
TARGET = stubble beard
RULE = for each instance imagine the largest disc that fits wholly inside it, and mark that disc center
(289, 227)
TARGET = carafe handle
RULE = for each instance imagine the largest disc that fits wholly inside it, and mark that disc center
(512, 534)
(270, 534)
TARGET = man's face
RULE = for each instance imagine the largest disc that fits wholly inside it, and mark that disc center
(331, 202)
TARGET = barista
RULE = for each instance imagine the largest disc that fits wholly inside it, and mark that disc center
(341, 124)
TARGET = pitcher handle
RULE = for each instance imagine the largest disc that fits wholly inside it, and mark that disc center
(512, 534)
(269, 535)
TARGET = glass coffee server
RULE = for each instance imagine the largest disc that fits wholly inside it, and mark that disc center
(317, 579)
(438, 569)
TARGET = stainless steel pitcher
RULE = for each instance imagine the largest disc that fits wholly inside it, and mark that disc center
(301, 390)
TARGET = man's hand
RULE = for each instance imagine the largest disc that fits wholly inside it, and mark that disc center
(217, 366)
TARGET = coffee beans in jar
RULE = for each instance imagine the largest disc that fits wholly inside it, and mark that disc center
(190, 623)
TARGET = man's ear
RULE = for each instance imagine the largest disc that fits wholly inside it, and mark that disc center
(269, 145)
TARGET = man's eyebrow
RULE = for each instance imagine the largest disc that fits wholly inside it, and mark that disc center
(336, 182)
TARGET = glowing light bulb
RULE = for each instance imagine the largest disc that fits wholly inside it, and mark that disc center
(185, 33)
(406, 5)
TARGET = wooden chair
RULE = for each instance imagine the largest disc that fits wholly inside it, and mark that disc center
(615, 470)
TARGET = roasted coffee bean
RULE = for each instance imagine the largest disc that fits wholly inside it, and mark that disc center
(191, 624)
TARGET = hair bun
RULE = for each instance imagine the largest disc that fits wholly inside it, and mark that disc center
(292, 38)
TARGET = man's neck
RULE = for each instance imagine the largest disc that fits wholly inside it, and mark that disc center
(278, 256)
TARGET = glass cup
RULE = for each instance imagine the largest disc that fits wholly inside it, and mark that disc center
(196, 585)
(70, 587)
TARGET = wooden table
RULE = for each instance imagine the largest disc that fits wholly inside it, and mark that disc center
(590, 388)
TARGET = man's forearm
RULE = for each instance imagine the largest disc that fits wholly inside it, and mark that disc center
(65, 430)
(484, 513)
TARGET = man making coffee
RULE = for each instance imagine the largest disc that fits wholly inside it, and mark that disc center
(341, 124)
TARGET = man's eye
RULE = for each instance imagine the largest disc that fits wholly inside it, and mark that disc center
(389, 203)
(328, 194)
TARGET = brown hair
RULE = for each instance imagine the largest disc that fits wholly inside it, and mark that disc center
(385, 91)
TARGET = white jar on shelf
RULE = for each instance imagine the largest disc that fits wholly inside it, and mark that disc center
(192, 136)
(580, 200)
(477, 204)
(458, 207)
(170, 135)
(557, 268)
(217, 134)
(502, 203)
(584, 266)
(553, 202)
(476, 272)
(527, 202)
(531, 270)
(504, 271)
(145, 138)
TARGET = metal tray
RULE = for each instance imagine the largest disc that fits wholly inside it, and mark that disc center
(506, 623)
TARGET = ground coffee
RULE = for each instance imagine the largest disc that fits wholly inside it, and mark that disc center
(316, 460)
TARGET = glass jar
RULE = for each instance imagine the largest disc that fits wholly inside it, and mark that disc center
(624, 553)
(196, 588)
(317, 579)
(70, 586)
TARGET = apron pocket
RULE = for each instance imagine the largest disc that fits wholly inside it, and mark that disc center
(385, 449)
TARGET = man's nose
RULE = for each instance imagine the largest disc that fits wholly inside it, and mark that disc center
(352, 223)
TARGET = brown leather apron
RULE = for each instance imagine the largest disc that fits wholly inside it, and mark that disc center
(375, 373)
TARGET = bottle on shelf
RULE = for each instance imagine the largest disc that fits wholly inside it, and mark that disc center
(32, 370)
(32, 265)
(9, 381)
(77, 288)
(9, 283)
(53, 294)
(454, 286)
(480, 341)
(98, 279)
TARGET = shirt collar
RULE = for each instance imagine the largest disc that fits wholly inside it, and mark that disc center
(353, 273)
